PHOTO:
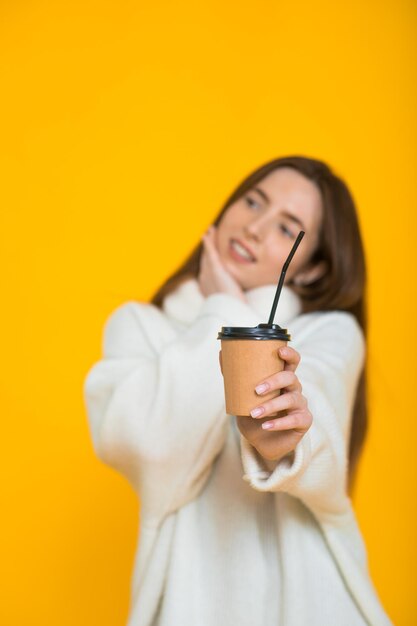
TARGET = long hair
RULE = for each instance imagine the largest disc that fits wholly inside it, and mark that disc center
(340, 246)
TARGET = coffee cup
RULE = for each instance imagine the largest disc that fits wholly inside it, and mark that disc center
(248, 356)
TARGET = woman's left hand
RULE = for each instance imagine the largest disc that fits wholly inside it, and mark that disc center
(213, 276)
(274, 438)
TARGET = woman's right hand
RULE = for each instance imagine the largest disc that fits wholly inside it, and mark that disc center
(275, 438)
(213, 276)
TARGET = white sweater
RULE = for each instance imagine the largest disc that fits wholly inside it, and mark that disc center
(225, 541)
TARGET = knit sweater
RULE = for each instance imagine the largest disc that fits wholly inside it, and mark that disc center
(224, 537)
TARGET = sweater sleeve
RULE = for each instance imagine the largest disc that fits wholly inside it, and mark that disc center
(332, 353)
(158, 416)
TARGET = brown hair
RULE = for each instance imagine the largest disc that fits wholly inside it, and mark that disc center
(342, 287)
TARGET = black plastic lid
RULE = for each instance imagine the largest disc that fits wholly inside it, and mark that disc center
(262, 331)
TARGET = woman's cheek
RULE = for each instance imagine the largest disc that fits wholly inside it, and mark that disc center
(222, 240)
(272, 268)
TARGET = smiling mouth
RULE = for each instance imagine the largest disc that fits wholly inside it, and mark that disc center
(240, 253)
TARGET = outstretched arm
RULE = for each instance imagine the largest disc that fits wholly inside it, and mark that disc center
(306, 455)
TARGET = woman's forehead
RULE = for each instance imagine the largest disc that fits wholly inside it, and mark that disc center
(288, 189)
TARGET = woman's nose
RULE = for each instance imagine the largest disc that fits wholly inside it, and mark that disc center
(257, 227)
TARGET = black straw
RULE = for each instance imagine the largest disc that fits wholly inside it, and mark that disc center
(282, 277)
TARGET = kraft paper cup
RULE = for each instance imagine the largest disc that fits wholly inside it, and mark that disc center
(249, 355)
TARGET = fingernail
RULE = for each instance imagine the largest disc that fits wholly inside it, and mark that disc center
(283, 351)
(268, 425)
(261, 388)
(257, 412)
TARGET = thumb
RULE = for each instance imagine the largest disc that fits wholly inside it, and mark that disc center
(210, 245)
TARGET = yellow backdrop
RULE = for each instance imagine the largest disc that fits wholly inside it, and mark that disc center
(124, 126)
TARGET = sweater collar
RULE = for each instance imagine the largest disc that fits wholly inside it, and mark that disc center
(183, 304)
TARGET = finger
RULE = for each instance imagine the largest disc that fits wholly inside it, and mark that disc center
(211, 233)
(284, 379)
(300, 422)
(292, 401)
(202, 270)
(291, 357)
(208, 235)
(206, 256)
(210, 245)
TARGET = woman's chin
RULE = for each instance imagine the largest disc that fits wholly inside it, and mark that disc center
(237, 273)
(233, 270)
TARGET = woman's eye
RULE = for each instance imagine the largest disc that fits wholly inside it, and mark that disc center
(287, 232)
(251, 202)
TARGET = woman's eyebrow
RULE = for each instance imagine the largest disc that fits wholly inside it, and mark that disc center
(293, 218)
(262, 193)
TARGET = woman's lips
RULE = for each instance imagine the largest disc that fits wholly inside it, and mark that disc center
(240, 253)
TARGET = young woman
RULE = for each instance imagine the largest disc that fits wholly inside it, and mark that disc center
(246, 520)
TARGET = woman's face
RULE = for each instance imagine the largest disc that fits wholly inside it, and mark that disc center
(257, 232)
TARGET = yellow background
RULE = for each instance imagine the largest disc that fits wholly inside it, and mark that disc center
(123, 128)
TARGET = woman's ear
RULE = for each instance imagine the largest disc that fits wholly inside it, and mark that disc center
(310, 274)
